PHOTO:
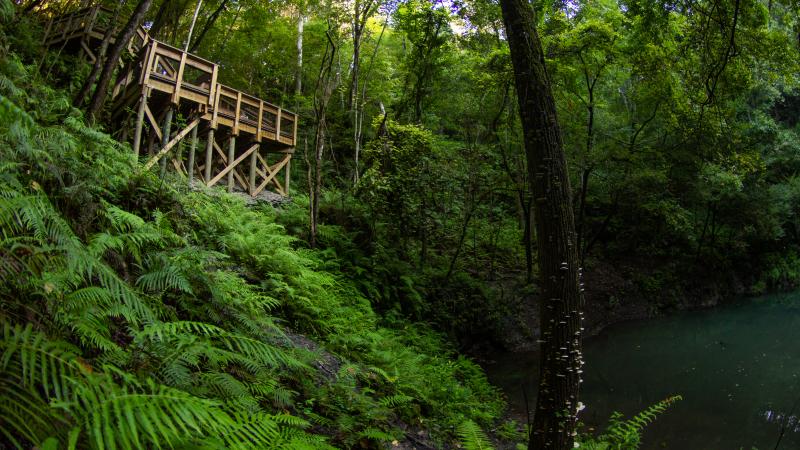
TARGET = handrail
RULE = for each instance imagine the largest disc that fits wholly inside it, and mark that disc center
(165, 68)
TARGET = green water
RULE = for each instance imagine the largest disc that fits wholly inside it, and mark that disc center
(736, 367)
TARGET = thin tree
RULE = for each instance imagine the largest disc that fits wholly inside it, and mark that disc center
(561, 303)
(322, 94)
(98, 62)
(208, 25)
(121, 41)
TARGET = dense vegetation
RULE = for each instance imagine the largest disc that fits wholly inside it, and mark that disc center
(138, 312)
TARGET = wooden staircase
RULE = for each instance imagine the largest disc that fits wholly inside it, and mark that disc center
(170, 99)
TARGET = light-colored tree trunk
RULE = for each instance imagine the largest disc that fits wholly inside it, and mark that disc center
(298, 74)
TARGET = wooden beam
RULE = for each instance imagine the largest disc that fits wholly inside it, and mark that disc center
(232, 165)
(153, 122)
(171, 144)
(268, 171)
(277, 168)
(224, 159)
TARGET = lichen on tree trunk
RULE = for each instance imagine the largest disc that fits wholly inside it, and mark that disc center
(561, 305)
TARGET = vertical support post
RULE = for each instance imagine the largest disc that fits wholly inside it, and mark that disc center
(192, 147)
(252, 179)
(165, 137)
(137, 134)
(231, 157)
(288, 174)
(209, 153)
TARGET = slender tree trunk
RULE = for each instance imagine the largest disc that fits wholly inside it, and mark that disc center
(98, 63)
(208, 26)
(358, 127)
(100, 92)
(561, 301)
(191, 27)
(322, 95)
(298, 74)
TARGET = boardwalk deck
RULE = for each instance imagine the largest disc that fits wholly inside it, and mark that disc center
(168, 96)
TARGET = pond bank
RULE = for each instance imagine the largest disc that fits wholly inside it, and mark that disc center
(737, 367)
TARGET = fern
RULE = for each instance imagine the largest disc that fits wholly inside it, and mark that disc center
(472, 437)
(111, 408)
(626, 434)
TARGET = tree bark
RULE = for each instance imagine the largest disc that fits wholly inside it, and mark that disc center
(100, 92)
(561, 301)
(298, 74)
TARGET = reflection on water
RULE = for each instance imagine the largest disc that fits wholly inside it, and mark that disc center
(736, 367)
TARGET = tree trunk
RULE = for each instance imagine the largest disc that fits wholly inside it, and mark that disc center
(322, 95)
(98, 63)
(209, 25)
(100, 92)
(298, 74)
(561, 301)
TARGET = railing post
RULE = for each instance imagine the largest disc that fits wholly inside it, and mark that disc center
(278, 125)
(179, 79)
(260, 119)
(294, 133)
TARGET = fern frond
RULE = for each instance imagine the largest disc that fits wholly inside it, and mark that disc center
(472, 436)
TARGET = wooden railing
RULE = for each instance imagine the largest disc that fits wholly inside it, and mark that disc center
(245, 113)
(180, 74)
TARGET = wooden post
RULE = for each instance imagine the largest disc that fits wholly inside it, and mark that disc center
(209, 153)
(137, 134)
(231, 155)
(252, 180)
(294, 132)
(192, 146)
(278, 125)
(287, 174)
(165, 136)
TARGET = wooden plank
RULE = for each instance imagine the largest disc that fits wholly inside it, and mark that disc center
(171, 144)
(232, 165)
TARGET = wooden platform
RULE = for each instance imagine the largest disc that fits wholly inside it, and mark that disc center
(168, 97)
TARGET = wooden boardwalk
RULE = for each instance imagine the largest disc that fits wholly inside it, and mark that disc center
(165, 100)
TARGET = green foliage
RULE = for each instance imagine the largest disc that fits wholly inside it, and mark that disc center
(138, 314)
(622, 434)
(472, 437)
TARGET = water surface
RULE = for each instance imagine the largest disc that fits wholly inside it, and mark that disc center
(736, 367)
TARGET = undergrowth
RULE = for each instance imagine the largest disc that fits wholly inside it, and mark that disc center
(136, 313)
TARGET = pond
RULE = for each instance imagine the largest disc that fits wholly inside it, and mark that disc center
(736, 367)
